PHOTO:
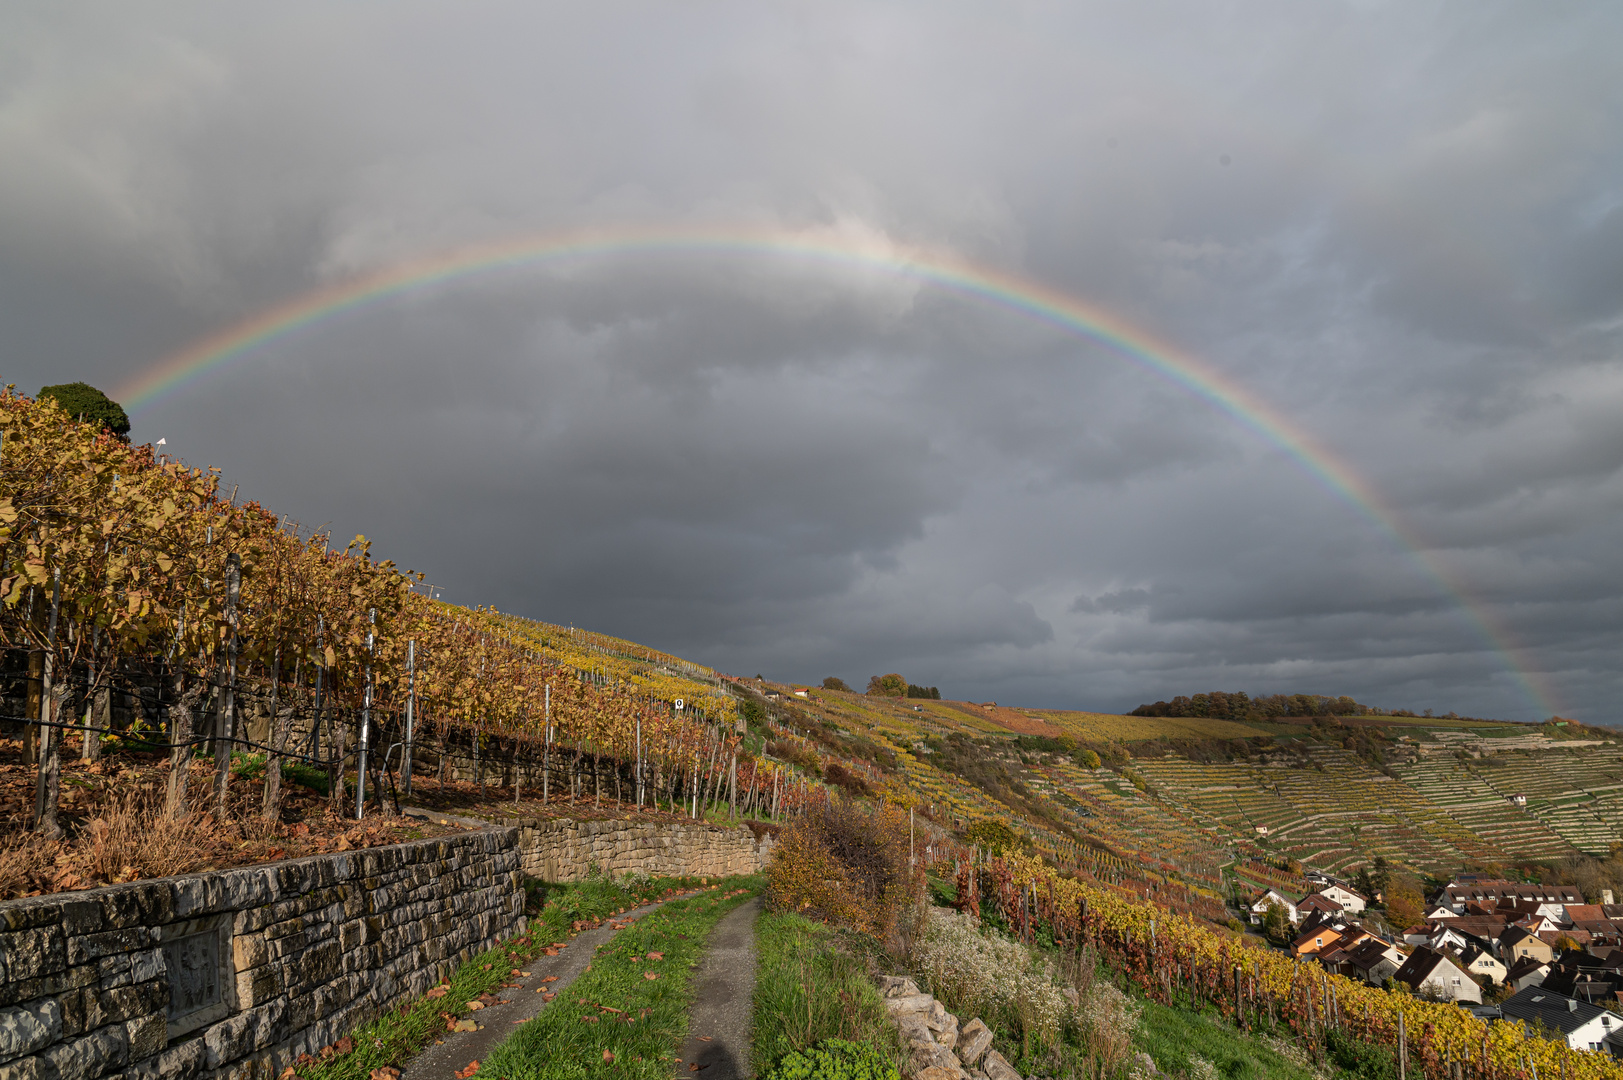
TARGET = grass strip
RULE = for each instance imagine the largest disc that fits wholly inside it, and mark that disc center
(813, 983)
(1193, 1044)
(393, 1038)
(614, 1020)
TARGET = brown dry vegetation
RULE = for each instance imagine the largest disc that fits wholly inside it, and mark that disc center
(115, 829)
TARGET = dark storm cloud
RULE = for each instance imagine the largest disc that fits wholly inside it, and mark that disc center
(1399, 225)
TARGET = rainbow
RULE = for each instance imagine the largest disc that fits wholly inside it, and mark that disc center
(844, 250)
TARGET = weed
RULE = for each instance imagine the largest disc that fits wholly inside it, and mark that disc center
(812, 983)
(615, 1019)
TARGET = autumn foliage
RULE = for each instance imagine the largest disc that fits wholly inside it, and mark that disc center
(847, 865)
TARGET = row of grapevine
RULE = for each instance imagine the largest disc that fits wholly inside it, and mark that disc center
(121, 567)
(1170, 955)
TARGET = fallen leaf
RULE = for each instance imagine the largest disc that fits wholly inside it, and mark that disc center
(475, 1006)
(650, 974)
(704, 1038)
(385, 1072)
(473, 1067)
(656, 956)
(464, 1025)
(608, 1057)
(439, 991)
(550, 978)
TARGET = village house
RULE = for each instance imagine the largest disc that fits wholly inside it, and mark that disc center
(1551, 899)
(1371, 960)
(1350, 900)
(1267, 898)
(1581, 1025)
(1528, 971)
(1518, 943)
(1432, 974)
(1479, 961)
(1328, 937)
(1319, 903)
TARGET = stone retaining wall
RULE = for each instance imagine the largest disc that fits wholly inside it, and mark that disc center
(233, 973)
(565, 850)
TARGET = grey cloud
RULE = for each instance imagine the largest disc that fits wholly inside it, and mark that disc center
(775, 463)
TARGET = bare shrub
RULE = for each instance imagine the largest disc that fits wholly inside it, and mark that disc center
(847, 866)
(131, 839)
(23, 857)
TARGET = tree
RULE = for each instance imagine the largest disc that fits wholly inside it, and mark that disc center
(834, 682)
(85, 403)
(1404, 904)
(891, 685)
(1276, 924)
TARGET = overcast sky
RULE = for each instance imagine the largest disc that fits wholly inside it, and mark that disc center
(1399, 224)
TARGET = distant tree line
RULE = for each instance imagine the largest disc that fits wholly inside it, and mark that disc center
(893, 685)
(1239, 705)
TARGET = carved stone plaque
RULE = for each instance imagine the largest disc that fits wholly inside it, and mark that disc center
(194, 972)
(197, 962)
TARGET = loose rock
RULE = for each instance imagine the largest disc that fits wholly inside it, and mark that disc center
(998, 1068)
(973, 1040)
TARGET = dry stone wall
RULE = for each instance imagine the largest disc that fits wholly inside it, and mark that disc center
(233, 973)
(565, 850)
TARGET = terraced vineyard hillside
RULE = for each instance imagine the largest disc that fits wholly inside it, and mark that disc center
(1172, 799)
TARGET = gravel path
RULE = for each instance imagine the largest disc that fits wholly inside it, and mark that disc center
(440, 1061)
(718, 1043)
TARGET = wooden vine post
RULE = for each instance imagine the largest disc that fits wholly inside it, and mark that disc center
(48, 780)
(224, 729)
(1403, 1048)
(411, 716)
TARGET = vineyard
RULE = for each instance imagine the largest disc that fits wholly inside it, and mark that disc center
(1177, 961)
(146, 608)
(143, 606)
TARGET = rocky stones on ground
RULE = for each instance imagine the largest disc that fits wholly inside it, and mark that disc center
(891, 986)
(909, 1003)
(997, 1067)
(932, 1034)
(927, 1055)
(973, 1040)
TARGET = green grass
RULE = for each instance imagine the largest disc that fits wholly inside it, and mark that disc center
(811, 984)
(1174, 1037)
(613, 1007)
(394, 1037)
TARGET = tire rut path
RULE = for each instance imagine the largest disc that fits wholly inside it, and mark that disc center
(718, 1042)
(521, 999)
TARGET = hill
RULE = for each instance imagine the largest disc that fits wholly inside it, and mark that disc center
(1192, 800)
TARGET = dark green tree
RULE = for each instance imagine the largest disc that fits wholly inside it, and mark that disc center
(1276, 924)
(85, 403)
(834, 682)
